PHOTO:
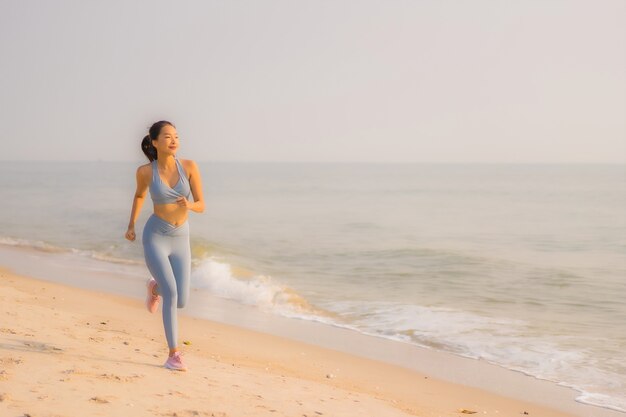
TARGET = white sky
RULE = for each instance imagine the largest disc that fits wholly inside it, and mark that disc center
(318, 80)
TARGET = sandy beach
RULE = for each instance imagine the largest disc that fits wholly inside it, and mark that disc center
(362, 208)
(66, 351)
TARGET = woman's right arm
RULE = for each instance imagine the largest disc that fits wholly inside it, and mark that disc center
(140, 195)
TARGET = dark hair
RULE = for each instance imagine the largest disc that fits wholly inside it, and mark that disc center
(153, 132)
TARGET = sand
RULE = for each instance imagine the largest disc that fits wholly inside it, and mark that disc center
(66, 351)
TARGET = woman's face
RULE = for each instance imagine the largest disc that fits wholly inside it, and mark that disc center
(167, 141)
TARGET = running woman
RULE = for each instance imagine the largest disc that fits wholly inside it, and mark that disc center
(165, 238)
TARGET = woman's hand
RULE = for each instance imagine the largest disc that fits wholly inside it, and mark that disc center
(130, 233)
(183, 202)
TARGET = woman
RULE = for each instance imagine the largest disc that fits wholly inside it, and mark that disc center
(166, 233)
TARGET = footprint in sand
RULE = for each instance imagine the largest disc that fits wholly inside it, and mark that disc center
(10, 361)
(178, 394)
(193, 413)
(42, 347)
(108, 377)
(9, 331)
(118, 378)
(99, 400)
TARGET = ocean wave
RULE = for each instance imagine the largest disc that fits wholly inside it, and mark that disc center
(32, 244)
(50, 248)
(223, 280)
(509, 343)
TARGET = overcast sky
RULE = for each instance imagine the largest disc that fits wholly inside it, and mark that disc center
(320, 80)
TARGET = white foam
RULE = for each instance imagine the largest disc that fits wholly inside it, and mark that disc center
(34, 244)
(47, 247)
(602, 400)
(259, 290)
(505, 342)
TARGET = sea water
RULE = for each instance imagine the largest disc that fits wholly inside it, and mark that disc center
(520, 265)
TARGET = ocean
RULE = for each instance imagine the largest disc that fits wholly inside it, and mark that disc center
(520, 265)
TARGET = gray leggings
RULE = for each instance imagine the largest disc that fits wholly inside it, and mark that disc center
(168, 257)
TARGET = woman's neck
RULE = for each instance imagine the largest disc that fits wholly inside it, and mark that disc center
(166, 162)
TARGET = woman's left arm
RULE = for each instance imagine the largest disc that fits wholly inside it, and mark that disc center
(195, 181)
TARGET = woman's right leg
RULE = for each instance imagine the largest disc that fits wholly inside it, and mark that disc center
(156, 252)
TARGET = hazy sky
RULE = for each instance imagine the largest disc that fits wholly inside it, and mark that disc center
(318, 80)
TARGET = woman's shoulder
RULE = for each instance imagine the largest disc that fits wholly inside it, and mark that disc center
(145, 169)
(188, 164)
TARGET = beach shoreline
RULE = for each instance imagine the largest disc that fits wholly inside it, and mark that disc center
(251, 356)
(486, 286)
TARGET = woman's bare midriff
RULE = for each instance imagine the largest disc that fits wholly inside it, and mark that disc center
(171, 213)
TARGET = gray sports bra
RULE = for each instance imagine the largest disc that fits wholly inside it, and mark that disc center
(162, 193)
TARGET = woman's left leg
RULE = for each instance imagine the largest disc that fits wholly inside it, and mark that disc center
(180, 259)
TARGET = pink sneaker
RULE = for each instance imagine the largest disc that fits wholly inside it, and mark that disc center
(152, 301)
(175, 362)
